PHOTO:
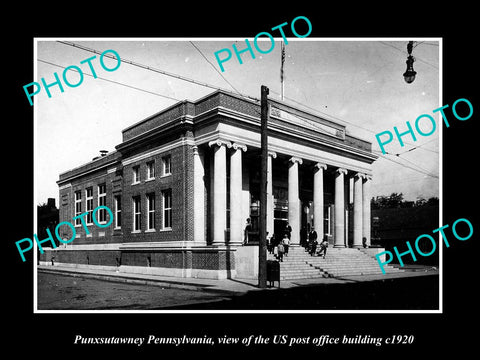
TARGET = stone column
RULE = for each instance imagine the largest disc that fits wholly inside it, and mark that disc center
(271, 155)
(318, 202)
(357, 210)
(340, 207)
(198, 197)
(236, 224)
(294, 200)
(219, 190)
(366, 209)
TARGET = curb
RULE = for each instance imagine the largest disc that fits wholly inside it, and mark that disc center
(126, 278)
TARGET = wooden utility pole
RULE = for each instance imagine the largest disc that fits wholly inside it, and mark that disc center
(262, 251)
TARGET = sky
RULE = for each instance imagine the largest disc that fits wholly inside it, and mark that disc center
(356, 82)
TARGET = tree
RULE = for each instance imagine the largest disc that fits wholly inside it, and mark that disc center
(421, 201)
(395, 200)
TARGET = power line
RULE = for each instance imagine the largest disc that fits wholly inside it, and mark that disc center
(214, 67)
(223, 77)
(183, 78)
(402, 51)
(400, 182)
(175, 99)
(163, 72)
(411, 162)
(425, 43)
(113, 81)
(338, 119)
(418, 169)
(419, 146)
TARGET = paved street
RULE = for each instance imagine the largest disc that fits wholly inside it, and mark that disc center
(79, 292)
(408, 293)
(60, 292)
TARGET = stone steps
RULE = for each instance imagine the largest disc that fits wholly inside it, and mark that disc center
(338, 262)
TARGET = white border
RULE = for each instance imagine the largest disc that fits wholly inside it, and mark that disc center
(133, 39)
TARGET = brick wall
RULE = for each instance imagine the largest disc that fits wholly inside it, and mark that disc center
(161, 183)
(119, 182)
(67, 208)
(164, 117)
(84, 257)
(214, 259)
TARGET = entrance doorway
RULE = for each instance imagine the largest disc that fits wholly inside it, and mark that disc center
(280, 219)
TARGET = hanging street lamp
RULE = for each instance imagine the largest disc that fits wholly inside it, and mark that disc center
(409, 74)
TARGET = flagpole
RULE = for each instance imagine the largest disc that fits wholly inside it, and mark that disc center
(281, 71)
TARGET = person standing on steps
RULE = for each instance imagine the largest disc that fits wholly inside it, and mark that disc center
(323, 247)
(248, 228)
(280, 251)
(286, 244)
(288, 230)
(303, 237)
(270, 243)
(312, 239)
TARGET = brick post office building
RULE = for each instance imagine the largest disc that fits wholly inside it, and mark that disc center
(183, 181)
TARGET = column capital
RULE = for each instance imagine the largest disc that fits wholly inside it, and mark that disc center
(273, 154)
(195, 149)
(295, 159)
(237, 146)
(367, 177)
(360, 175)
(319, 166)
(220, 142)
(342, 171)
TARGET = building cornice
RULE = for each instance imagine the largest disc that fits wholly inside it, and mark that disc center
(254, 122)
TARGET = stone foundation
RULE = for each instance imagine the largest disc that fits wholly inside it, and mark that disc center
(200, 262)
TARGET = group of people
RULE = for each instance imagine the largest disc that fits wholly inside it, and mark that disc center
(280, 247)
(310, 243)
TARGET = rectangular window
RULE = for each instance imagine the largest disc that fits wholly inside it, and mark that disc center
(150, 170)
(89, 198)
(118, 211)
(137, 214)
(78, 206)
(102, 201)
(151, 211)
(327, 220)
(136, 174)
(167, 165)
(167, 209)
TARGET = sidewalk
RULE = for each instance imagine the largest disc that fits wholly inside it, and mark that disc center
(231, 286)
(212, 285)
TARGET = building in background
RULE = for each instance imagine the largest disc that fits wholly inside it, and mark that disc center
(47, 218)
(183, 182)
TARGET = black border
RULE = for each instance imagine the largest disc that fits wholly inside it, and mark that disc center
(53, 334)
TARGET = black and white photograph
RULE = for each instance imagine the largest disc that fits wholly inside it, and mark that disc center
(172, 146)
(276, 184)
